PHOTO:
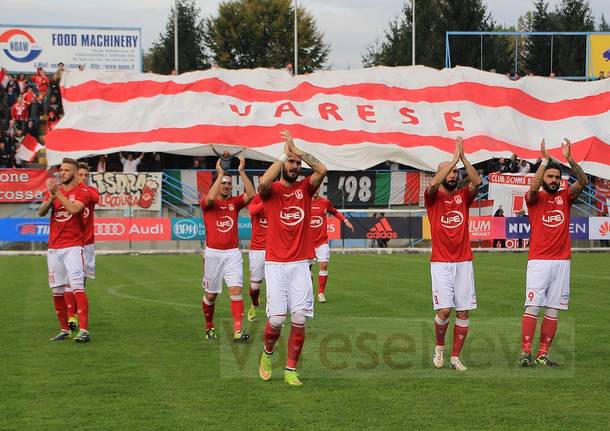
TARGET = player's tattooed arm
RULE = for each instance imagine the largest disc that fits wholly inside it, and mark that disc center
(213, 192)
(536, 183)
(444, 169)
(581, 177)
(473, 175)
(319, 170)
(248, 186)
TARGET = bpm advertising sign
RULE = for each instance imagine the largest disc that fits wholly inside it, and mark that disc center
(24, 48)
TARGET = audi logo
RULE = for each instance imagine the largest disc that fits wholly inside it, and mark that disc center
(109, 229)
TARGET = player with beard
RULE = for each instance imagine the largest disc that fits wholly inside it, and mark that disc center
(548, 266)
(319, 208)
(66, 241)
(222, 257)
(451, 261)
(288, 252)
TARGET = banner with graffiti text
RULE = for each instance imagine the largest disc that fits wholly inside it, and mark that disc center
(118, 190)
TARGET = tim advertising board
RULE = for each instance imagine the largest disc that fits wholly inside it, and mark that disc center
(24, 48)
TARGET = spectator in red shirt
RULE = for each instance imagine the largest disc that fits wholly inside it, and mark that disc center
(20, 113)
(41, 80)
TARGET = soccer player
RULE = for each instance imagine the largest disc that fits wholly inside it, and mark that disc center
(319, 208)
(288, 252)
(66, 241)
(451, 261)
(222, 258)
(89, 240)
(256, 255)
(548, 266)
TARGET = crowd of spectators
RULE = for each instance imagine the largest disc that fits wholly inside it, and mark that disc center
(29, 104)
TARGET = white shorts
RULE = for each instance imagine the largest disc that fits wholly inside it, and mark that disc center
(66, 267)
(548, 283)
(257, 264)
(90, 260)
(323, 253)
(219, 265)
(289, 288)
(453, 285)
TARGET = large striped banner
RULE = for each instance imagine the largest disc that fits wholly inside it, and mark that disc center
(351, 120)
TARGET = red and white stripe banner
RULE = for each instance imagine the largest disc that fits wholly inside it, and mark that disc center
(349, 119)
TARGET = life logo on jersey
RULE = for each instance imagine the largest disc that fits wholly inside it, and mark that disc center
(62, 216)
(553, 218)
(452, 219)
(224, 224)
(19, 45)
(292, 216)
(316, 221)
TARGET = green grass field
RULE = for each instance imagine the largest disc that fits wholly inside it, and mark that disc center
(366, 363)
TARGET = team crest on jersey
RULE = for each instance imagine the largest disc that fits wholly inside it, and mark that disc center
(224, 224)
(553, 218)
(72, 198)
(298, 194)
(231, 207)
(452, 219)
(559, 200)
(458, 199)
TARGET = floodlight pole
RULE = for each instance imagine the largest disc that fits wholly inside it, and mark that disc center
(296, 46)
(413, 34)
(176, 36)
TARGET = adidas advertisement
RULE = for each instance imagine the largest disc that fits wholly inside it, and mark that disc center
(384, 228)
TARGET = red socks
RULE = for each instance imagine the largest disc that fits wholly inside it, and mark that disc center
(440, 329)
(82, 309)
(271, 336)
(237, 310)
(255, 290)
(547, 333)
(60, 309)
(208, 312)
(295, 345)
(322, 279)
(460, 330)
(70, 303)
(528, 329)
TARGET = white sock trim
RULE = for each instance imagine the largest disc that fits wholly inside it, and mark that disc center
(206, 302)
(236, 297)
(439, 321)
(464, 323)
(323, 273)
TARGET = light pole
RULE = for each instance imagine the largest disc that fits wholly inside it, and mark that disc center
(413, 34)
(176, 36)
(296, 46)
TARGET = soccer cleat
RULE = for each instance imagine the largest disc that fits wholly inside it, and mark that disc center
(63, 335)
(73, 325)
(321, 298)
(292, 378)
(438, 359)
(240, 337)
(525, 359)
(544, 360)
(456, 364)
(252, 313)
(265, 367)
(82, 337)
(210, 334)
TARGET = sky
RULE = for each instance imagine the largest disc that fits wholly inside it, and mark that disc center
(349, 26)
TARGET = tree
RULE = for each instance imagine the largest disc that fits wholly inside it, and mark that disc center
(260, 33)
(191, 51)
(603, 25)
(573, 15)
(537, 49)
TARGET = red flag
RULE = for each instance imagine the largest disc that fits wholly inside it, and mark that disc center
(28, 148)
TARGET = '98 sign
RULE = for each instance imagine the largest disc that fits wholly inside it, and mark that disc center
(354, 189)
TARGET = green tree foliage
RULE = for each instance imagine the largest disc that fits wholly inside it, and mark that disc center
(260, 33)
(573, 15)
(191, 51)
(537, 53)
(603, 25)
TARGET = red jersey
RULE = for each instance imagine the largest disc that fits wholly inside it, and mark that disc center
(20, 112)
(67, 230)
(42, 82)
(288, 211)
(319, 208)
(549, 216)
(448, 214)
(259, 223)
(88, 216)
(220, 220)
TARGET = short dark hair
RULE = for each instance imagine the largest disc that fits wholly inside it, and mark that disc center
(70, 161)
(83, 165)
(553, 165)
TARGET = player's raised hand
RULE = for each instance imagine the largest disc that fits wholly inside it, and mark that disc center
(566, 148)
(51, 185)
(290, 143)
(242, 163)
(219, 168)
(459, 149)
(545, 153)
